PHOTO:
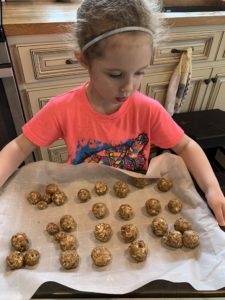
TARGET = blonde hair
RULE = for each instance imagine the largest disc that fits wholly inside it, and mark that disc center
(95, 17)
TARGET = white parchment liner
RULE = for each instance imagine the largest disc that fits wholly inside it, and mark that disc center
(203, 267)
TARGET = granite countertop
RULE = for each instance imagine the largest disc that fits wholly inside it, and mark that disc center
(22, 18)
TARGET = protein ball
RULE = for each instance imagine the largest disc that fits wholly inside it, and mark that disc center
(129, 232)
(51, 188)
(181, 224)
(159, 226)
(153, 207)
(121, 189)
(101, 188)
(190, 239)
(34, 197)
(101, 256)
(68, 243)
(99, 210)
(174, 206)
(164, 184)
(138, 250)
(140, 182)
(15, 260)
(52, 228)
(68, 223)
(69, 259)
(126, 212)
(59, 198)
(31, 257)
(20, 241)
(173, 239)
(103, 232)
(83, 195)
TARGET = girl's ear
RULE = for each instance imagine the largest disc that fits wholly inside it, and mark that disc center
(81, 59)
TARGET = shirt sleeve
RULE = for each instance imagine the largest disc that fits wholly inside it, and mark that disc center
(165, 132)
(43, 129)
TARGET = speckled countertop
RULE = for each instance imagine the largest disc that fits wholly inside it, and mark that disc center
(22, 18)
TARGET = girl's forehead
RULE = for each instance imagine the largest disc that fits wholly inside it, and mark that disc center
(127, 39)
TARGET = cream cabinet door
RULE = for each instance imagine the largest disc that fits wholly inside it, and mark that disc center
(217, 95)
(156, 85)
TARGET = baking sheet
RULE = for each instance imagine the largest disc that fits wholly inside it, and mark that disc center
(203, 267)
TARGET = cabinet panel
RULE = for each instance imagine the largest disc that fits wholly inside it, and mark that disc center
(221, 52)
(48, 60)
(156, 86)
(217, 95)
(204, 45)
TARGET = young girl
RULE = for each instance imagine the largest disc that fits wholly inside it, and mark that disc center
(107, 120)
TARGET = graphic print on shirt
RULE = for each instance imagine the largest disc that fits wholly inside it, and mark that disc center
(127, 155)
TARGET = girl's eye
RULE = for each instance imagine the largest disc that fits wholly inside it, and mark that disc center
(114, 75)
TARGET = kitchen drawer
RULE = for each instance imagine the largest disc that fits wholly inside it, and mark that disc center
(221, 52)
(48, 60)
(204, 45)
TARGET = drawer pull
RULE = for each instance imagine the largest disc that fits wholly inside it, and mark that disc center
(71, 61)
(179, 51)
(214, 80)
(207, 81)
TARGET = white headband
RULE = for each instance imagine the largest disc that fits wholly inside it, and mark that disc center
(115, 31)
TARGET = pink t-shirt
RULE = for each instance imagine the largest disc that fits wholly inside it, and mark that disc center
(121, 139)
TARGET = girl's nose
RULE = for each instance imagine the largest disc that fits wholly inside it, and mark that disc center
(127, 87)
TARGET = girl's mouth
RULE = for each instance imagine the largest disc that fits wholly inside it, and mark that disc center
(121, 99)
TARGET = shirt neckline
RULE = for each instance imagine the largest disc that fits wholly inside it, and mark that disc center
(88, 108)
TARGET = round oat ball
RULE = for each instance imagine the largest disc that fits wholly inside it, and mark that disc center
(34, 197)
(31, 257)
(181, 224)
(59, 198)
(153, 207)
(99, 210)
(15, 260)
(69, 242)
(20, 241)
(173, 239)
(164, 184)
(46, 197)
(138, 250)
(126, 212)
(121, 189)
(159, 226)
(190, 239)
(69, 259)
(101, 256)
(59, 236)
(129, 232)
(103, 232)
(83, 195)
(140, 182)
(42, 205)
(174, 206)
(67, 223)
(52, 228)
(101, 188)
(51, 188)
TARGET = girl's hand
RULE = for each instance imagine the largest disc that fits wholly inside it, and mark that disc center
(216, 202)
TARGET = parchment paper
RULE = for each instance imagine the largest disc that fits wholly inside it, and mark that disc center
(203, 267)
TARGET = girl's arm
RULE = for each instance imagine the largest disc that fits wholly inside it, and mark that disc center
(12, 155)
(199, 166)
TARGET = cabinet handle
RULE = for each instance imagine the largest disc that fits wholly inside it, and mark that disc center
(207, 81)
(71, 61)
(179, 50)
(214, 80)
